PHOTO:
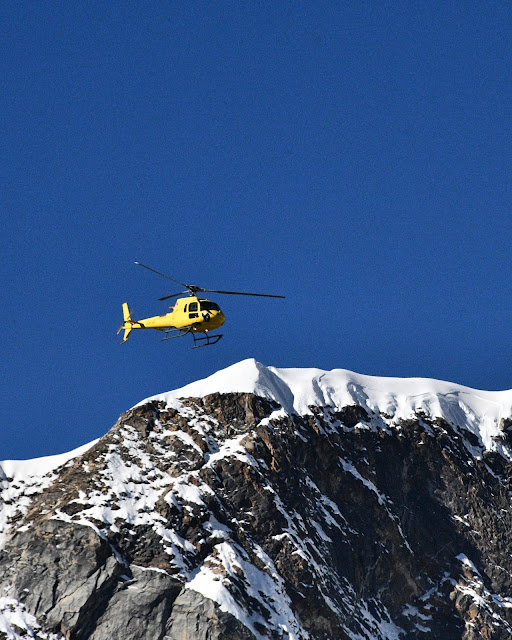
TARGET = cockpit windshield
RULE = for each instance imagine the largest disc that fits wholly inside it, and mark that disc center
(206, 305)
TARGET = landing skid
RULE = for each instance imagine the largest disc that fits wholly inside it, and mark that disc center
(178, 333)
(208, 339)
(198, 340)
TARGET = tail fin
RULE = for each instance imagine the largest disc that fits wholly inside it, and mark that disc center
(127, 326)
(126, 312)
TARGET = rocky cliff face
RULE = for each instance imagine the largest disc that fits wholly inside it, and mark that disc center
(299, 505)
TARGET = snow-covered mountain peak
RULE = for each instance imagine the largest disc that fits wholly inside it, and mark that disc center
(269, 504)
(296, 390)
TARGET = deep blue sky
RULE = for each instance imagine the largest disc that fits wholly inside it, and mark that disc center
(353, 156)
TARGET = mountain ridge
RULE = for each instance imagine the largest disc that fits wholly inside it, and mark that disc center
(295, 390)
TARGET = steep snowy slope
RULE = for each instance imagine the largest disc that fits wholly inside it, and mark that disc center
(22, 479)
(270, 504)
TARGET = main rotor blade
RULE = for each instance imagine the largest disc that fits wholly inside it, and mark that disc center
(160, 274)
(173, 295)
(241, 293)
(191, 288)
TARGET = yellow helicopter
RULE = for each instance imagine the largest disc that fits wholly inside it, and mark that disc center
(191, 315)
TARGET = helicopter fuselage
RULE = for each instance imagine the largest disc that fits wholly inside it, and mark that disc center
(194, 313)
(187, 315)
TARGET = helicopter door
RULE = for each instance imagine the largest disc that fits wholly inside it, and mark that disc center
(193, 309)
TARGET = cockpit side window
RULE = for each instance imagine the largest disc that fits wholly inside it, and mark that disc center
(193, 306)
